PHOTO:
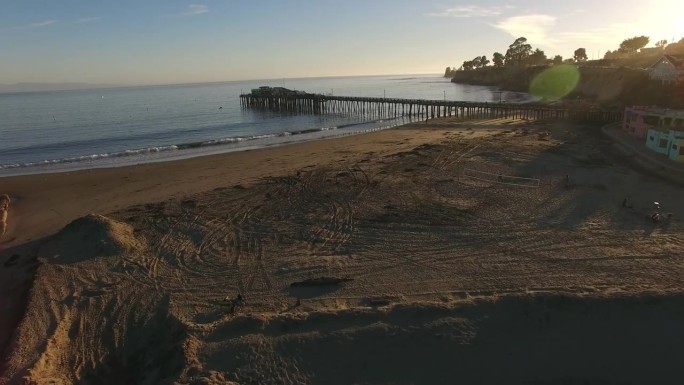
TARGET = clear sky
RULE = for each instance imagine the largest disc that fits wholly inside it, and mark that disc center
(171, 41)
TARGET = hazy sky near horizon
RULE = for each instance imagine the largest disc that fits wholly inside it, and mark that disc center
(155, 42)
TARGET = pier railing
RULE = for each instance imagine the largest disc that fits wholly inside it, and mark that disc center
(305, 103)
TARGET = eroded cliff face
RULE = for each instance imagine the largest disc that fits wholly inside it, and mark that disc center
(623, 86)
(611, 86)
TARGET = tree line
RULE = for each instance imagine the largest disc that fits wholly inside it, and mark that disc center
(636, 44)
(520, 53)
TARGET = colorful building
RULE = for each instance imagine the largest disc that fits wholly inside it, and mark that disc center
(667, 142)
(633, 121)
(676, 143)
(638, 120)
(662, 129)
(658, 141)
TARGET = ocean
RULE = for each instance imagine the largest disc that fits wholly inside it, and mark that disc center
(61, 131)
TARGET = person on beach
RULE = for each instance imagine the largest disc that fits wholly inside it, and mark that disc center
(4, 209)
(237, 302)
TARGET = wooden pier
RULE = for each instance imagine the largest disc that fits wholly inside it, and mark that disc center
(283, 100)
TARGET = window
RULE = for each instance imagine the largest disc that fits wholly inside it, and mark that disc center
(663, 143)
(651, 138)
(651, 120)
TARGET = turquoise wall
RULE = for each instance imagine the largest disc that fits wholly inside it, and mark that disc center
(654, 139)
(676, 148)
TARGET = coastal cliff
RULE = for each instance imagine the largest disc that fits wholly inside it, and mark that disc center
(606, 85)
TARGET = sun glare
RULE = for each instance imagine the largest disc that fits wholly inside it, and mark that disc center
(665, 20)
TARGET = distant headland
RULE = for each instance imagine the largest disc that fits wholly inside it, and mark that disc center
(631, 74)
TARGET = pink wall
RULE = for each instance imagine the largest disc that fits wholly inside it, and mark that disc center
(633, 121)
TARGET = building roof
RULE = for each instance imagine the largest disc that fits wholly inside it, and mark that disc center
(677, 61)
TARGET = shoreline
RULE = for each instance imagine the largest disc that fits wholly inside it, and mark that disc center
(45, 202)
(159, 125)
(182, 151)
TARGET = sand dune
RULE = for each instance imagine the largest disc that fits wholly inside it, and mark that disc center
(96, 236)
(471, 259)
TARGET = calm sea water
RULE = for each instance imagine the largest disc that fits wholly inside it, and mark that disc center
(69, 130)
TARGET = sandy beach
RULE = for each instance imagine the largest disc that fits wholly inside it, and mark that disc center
(488, 251)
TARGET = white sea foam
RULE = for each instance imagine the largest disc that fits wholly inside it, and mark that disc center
(92, 157)
(187, 150)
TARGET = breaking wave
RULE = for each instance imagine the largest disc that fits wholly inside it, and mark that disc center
(151, 151)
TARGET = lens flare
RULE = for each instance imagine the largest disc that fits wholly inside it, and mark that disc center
(555, 83)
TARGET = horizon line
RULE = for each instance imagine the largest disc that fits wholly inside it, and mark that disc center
(94, 86)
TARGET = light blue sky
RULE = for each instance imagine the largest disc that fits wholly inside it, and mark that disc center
(172, 41)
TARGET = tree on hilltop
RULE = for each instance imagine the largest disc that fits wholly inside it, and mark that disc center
(633, 44)
(498, 59)
(538, 57)
(616, 54)
(558, 59)
(675, 48)
(477, 62)
(580, 55)
(518, 52)
(661, 43)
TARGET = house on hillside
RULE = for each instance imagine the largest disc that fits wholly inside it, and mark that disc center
(651, 50)
(669, 69)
